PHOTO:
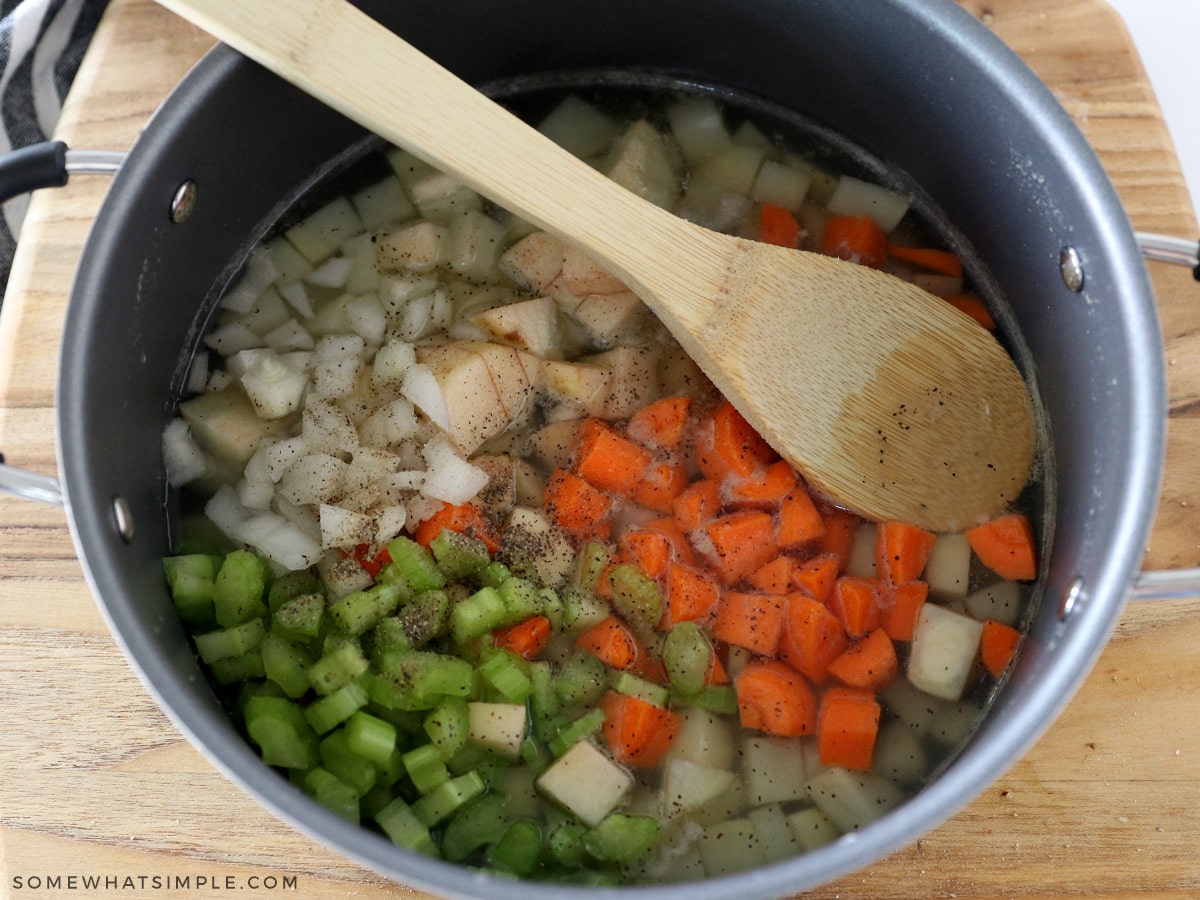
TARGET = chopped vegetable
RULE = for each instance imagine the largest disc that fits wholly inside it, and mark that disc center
(1006, 545)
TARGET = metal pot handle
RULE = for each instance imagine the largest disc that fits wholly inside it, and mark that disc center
(47, 164)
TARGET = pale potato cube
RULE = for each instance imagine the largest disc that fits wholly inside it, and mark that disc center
(500, 727)
(688, 786)
(949, 568)
(612, 318)
(581, 387)
(586, 783)
(529, 534)
(420, 247)
(533, 262)
(640, 162)
(945, 647)
(531, 325)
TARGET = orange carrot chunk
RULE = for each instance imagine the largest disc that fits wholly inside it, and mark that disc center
(855, 601)
(691, 595)
(777, 225)
(740, 542)
(526, 639)
(680, 545)
(775, 577)
(901, 551)
(763, 488)
(847, 725)
(940, 261)
(998, 645)
(608, 460)
(613, 643)
(638, 733)
(1006, 546)
(973, 307)
(753, 621)
(775, 698)
(726, 443)
(649, 550)
(840, 526)
(901, 607)
(662, 425)
(869, 663)
(812, 637)
(577, 507)
(817, 576)
(799, 519)
(660, 485)
(697, 504)
(855, 238)
(465, 518)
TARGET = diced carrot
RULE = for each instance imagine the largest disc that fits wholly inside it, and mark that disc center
(1006, 546)
(847, 725)
(638, 732)
(869, 663)
(526, 639)
(840, 526)
(660, 485)
(613, 642)
(662, 425)
(974, 307)
(691, 595)
(763, 488)
(681, 546)
(799, 519)
(817, 576)
(775, 698)
(777, 225)
(741, 542)
(608, 460)
(697, 504)
(466, 518)
(855, 601)
(998, 645)
(649, 550)
(727, 443)
(855, 238)
(812, 637)
(372, 564)
(717, 673)
(652, 669)
(775, 577)
(750, 620)
(577, 507)
(901, 551)
(940, 261)
(901, 609)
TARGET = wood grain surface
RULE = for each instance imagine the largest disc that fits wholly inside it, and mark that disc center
(95, 781)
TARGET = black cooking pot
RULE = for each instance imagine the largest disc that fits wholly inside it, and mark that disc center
(917, 83)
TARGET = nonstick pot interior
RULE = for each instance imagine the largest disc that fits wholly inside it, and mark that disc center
(919, 84)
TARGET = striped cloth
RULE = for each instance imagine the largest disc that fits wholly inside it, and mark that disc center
(41, 45)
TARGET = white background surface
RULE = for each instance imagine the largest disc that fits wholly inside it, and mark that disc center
(1167, 36)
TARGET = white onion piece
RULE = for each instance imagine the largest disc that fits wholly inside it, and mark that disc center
(226, 511)
(280, 541)
(392, 361)
(282, 454)
(184, 458)
(367, 318)
(335, 377)
(390, 521)
(339, 346)
(273, 388)
(291, 335)
(332, 273)
(229, 339)
(326, 428)
(314, 479)
(416, 318)
(260, 272)
(303, 517)
(255, 494)
(421, 387)
(449, 477)
(296, 295)
(344, 528)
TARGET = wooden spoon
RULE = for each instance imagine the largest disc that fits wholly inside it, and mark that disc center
(885, 398)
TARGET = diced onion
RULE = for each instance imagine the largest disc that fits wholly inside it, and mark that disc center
(450, 478)
(184, 458)
(421, 387)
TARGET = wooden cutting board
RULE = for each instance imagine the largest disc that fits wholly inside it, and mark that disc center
(95, 782)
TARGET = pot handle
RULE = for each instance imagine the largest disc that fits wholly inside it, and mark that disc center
(1163, 248)
(42, 165)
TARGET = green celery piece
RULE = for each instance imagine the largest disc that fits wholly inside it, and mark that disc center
(278, 727)
(494, 574)
(581, 610)
(480, 613)
(582, 680)
(413, 564)
(291, 585)
(347, 765)
(477, 824)
(535, 754)
(328, 790)
(299, 618)
(286, 663)
(552, 608)
(329, 712)
(522, 599)
(573, 732)
(642, 688)
(235, 669)
(239, 589)
(518, 850)
(426, 617)
(389, 634)
(230, 642)
(543, 701)
(621, 839)
(564, 844)
(191, 578)
(590, 563)
(337, 668)
(360, 611)
(449, 796)
(635, 595)
(426, 767)
(391, 771)
(503, 670)
(687, 657)
(717, 698)
(449, 725)
(400, 823)
(370, 737)
(419, 679)
(460, 556)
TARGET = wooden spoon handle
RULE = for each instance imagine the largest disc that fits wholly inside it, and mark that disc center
(335, 52)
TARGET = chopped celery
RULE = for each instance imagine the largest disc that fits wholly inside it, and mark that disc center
(285, 663)
(370, 737)
(426, 767)
(191, 578)
(522, 599)
(448, 725)
(687, 657)
(449, 796)
(360, 611)
(330, 791)
(477, 824)
(459, 555)
(347, 765)
(337, 668)
(581, 610)
(418, 680)
(389, 634)
(477, 615)
(552, 607)
(230, 642)
(494, 574)
(238, 668)
(299, 618)
(400, 823)
(239, 588)
(543, 700)
(564, 844)
(621, 839)
(505, 671)
(391, 770)
(569, 735)
(290, 586)
(277, 726)
(717, 698)
(412, 564)
(590, 563)
(635, 595)
(643, 689)
(518, 849)
(582, 680)
(426, 617)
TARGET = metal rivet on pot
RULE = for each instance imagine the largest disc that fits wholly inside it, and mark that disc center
(123, 519)
(1072, 598)
(1071, 267)
(183, 202)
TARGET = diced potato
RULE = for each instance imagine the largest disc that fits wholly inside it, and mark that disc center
(420, 247)
(500, 727)
(775, 837)
(225, 425)
(581, 388)
(533, 262)
(772, 769)
(732, 169)
(729, 847)
(639, 162)
(579, 127)
(899, 755)
(586, 783)
(474, 242)
(1000, 601)
(750, 135)
(581, 275)
(861, 561)
(633, 379)
(552, 445)
(915, 708)
(812, 828)
(383, 202)
(854, 197)
(530, 535)
(949, 568)
(289, 262)
(704, 738)
(317, 236)
(688, 786)
(781, 185)
(531, 325)
(952, 722)
(612, 318)
(945, 647)
(699, 127)
(439, 196)
(679, 374)
(852, 799)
